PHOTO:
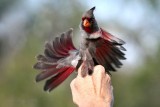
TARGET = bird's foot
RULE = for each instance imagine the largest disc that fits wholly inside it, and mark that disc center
(84, 69)
(87, 67)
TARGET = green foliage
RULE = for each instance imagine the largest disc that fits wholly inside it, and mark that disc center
(141, 89)
(5, 4)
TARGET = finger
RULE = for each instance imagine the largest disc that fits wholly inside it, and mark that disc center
(72, 84)
(84, 83)
(106, 89)
(98, 76)
(75, 93)
(112, 96)
(80, 70)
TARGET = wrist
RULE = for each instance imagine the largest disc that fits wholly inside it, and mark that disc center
(101, 103)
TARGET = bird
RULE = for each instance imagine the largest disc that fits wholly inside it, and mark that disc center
(61, 58)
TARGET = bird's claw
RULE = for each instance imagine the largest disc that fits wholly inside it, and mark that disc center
(87, 67)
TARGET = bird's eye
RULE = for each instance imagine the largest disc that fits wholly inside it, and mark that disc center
(83, 18)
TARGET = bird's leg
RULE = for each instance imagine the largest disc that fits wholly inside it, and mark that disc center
(88, 63)
(84, 69)
(90, 67)
(87, 67)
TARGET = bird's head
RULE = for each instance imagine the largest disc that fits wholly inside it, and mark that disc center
(89, 24)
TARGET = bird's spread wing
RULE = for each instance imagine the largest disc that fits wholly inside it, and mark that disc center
(107, 51)
(109, 37)
(57, 63)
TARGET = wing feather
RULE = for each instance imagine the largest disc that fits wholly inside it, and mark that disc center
(107, 51)
(60, 51)
(56, 80)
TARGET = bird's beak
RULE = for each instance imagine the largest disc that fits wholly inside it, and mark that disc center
(86, 23)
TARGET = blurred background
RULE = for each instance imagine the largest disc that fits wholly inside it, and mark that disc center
(26, 24)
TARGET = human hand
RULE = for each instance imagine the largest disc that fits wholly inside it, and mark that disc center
(92, 90)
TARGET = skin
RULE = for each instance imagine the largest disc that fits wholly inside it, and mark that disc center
(92, 90)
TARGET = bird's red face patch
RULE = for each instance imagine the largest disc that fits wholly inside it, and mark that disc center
(87, 24)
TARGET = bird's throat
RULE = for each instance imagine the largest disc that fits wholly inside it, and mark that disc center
(88, 29)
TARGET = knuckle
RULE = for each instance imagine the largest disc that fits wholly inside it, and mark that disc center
(100, 69)
(74, 101)
(108, 77)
